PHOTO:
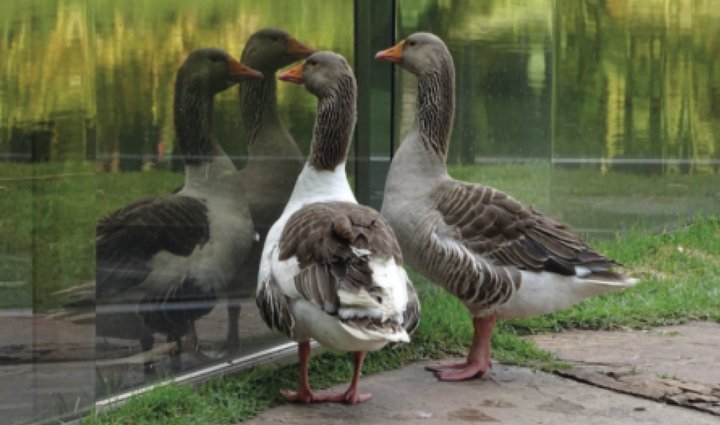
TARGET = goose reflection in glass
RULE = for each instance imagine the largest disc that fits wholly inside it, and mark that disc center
(274, 159)
(162, 262)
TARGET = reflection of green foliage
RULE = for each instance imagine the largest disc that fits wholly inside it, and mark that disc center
(115, 62)
(634, 81)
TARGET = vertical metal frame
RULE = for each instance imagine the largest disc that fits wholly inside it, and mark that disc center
(374, 31)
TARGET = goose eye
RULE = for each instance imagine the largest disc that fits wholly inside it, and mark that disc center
(412, 43)
(313, 63)
(273, 38)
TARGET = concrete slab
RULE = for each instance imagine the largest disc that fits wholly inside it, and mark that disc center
(508, 395)
(689, 352)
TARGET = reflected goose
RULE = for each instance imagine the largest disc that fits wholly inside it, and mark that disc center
(500, 258)
(274, 159)
(331, 269)
(171, 257)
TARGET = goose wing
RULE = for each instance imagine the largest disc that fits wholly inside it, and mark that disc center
(494, 225)
(131, 236)
(339, 249)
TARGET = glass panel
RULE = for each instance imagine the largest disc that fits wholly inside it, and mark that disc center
(636, 126)
(140, 46)
(502, 56)
(374, 31)
(86, 127)
(47, 202)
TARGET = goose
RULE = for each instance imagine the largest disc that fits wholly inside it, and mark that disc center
(331, 269)
(501, 259)
(171, 257)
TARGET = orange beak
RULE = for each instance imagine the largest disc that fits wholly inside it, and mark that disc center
(240, 72)
(294, 75)
(296, 50)
(393, 54)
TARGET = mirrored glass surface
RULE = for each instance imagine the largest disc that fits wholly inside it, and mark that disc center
(47, 201)
(139, 176)
(636, 119)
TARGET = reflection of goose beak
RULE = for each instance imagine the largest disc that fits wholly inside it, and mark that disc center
(296, 50)
(294, 75)
(393, 54)
(239, 72)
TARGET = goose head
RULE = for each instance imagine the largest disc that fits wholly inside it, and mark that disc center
(321, 74)
(419, 53)
(212, 70)
(273, 48)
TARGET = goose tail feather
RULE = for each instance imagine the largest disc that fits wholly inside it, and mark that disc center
(542, 293)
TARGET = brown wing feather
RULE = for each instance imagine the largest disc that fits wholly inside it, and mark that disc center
(411, 317)
(493, 224)
(274, 309)
(324, 237)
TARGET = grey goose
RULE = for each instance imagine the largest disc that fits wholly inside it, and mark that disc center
(500, 258)
(332, 269)
(169, 258)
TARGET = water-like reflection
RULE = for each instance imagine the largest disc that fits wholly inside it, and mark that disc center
(636, 125)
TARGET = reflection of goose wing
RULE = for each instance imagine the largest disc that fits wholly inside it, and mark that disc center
(129, 238)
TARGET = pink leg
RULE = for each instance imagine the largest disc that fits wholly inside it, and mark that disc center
(306, 396)
(478, 359)
(232, 343)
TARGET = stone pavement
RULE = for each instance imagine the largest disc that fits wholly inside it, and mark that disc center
(681, 358)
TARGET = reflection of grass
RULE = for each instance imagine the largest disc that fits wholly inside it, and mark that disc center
(675, 286)
(48, 224)
(108, 384)
(619, 200)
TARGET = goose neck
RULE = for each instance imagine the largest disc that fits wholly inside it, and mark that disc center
(334, 125)
(194, 127)
(436, 107)
(258, 106)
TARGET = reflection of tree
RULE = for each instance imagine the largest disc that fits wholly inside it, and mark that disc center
(44, 75)
(636, 81)
(57, 57)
